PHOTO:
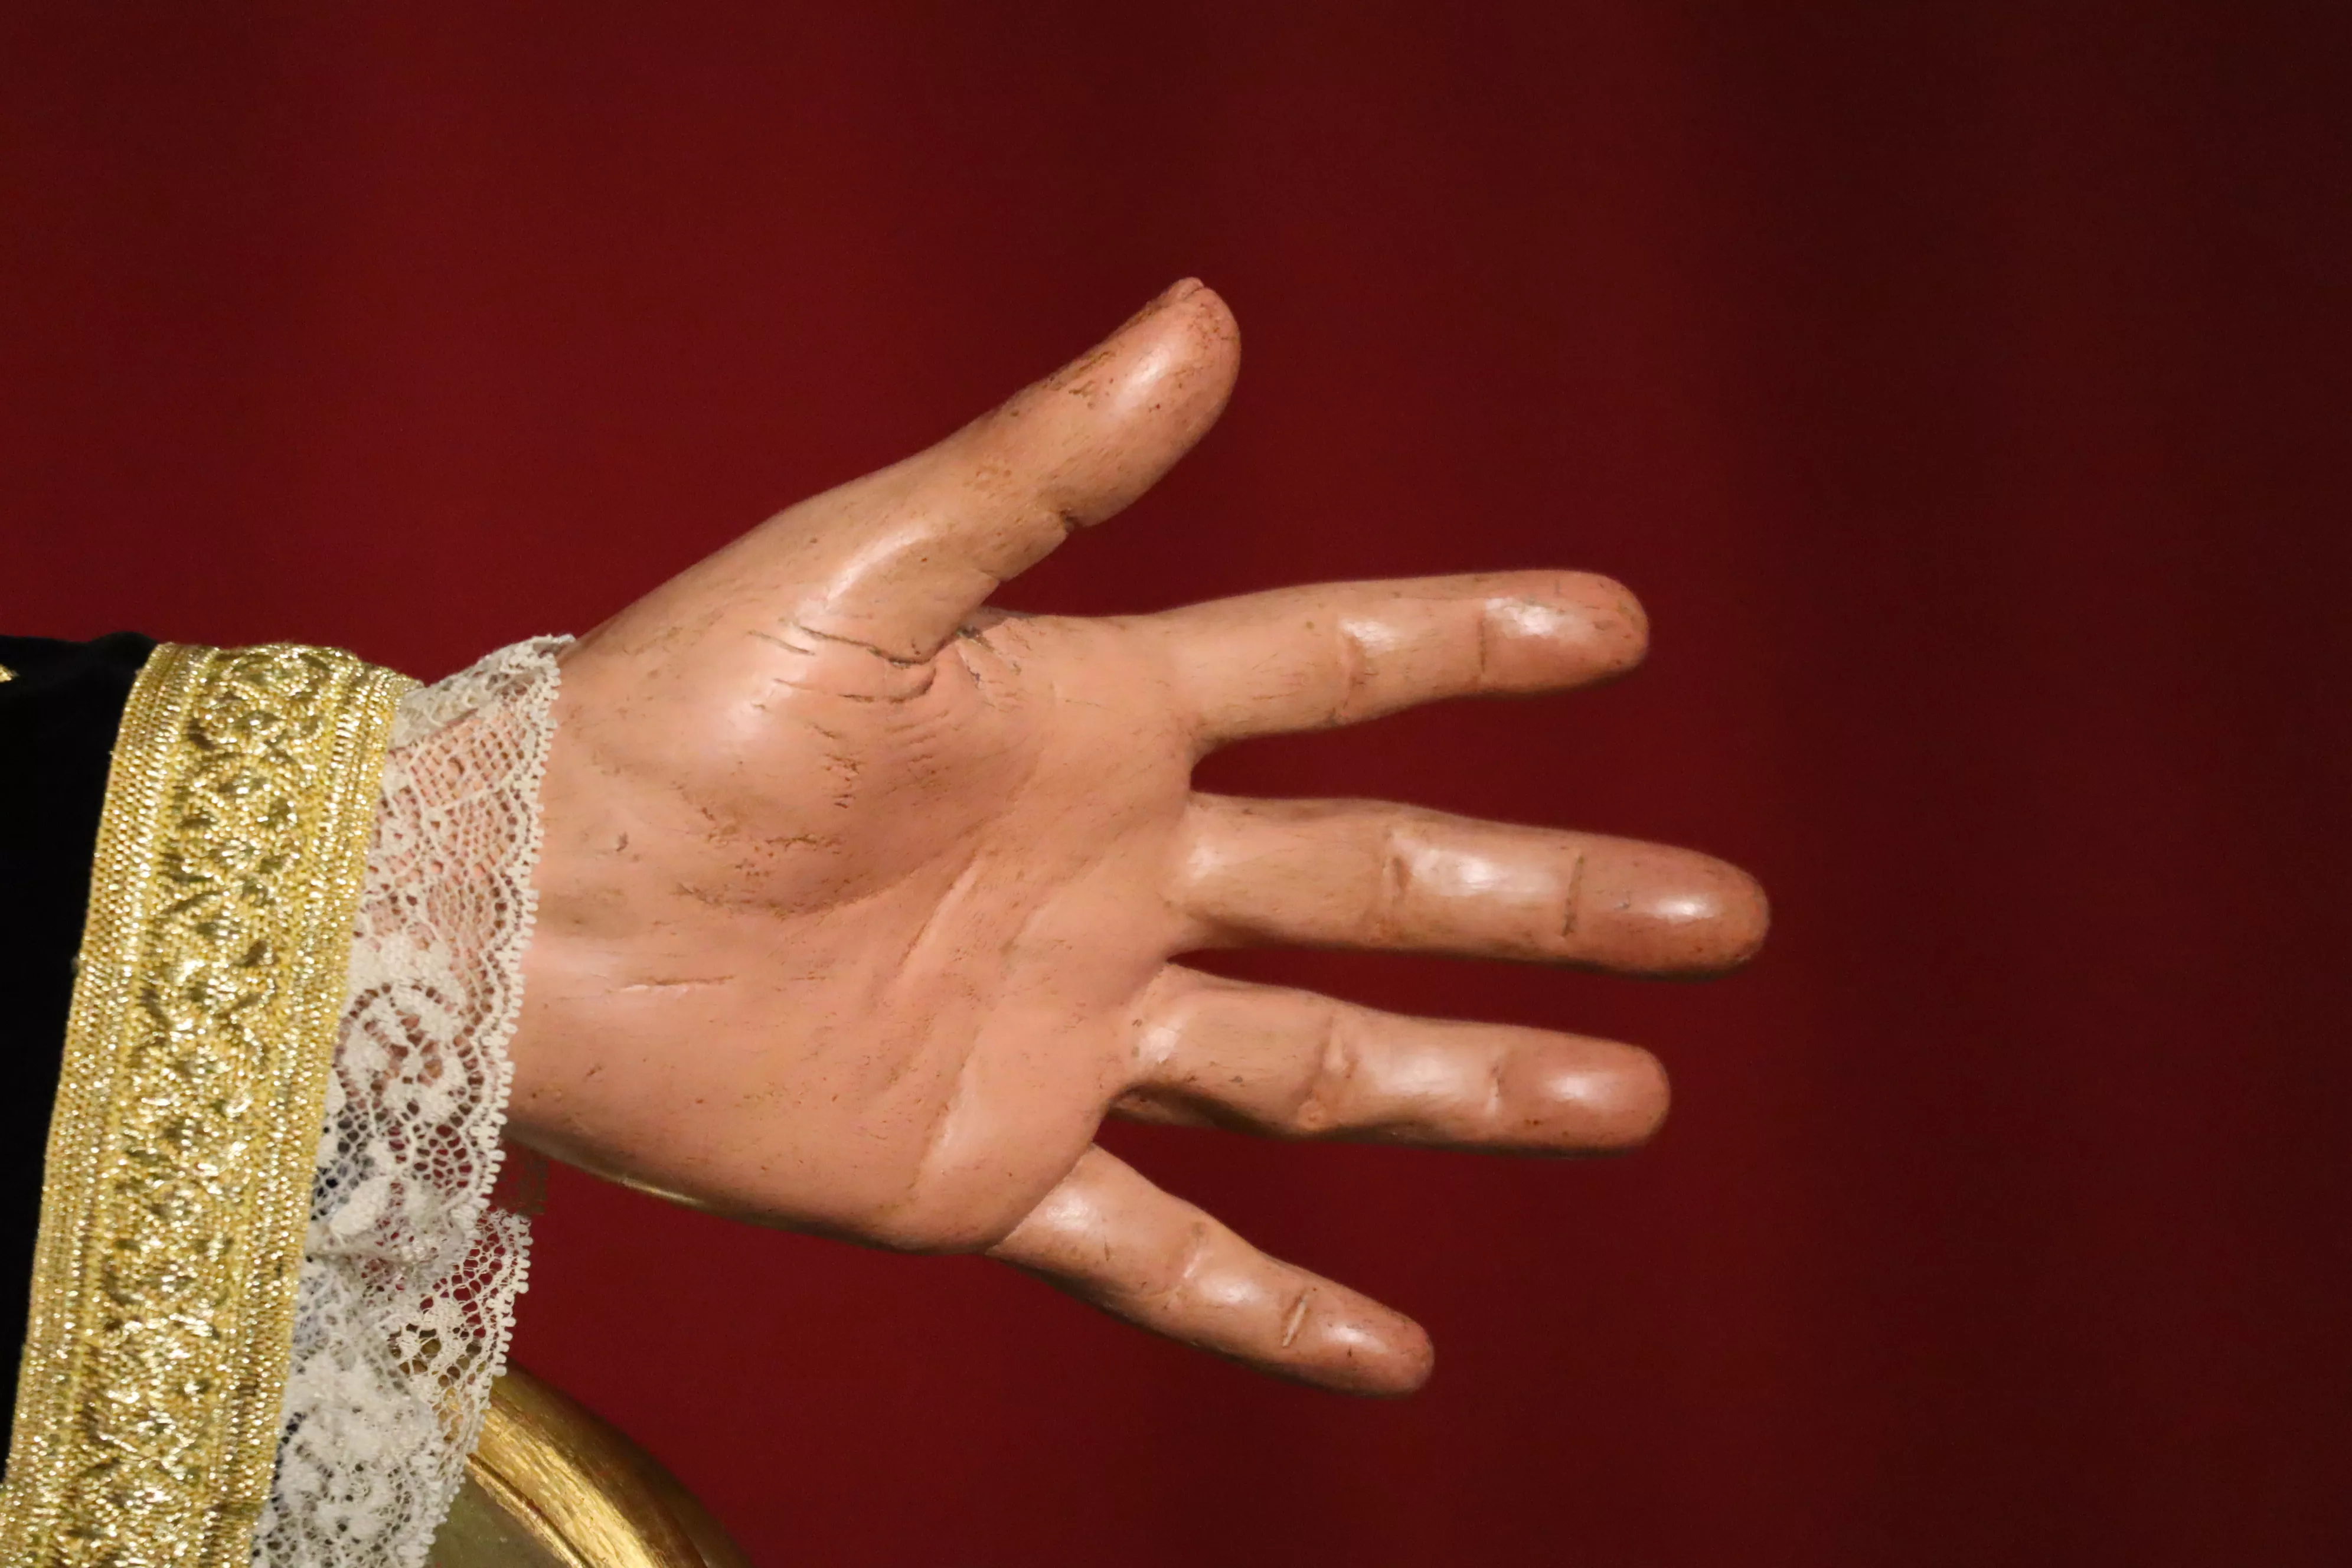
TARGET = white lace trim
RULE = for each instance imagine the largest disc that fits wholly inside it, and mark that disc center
(411, 1268)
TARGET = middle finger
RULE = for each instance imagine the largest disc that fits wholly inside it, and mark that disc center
(1368, 874)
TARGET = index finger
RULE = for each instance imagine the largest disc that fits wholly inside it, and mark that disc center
(1338, 653)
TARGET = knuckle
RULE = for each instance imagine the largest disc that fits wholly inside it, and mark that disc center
(1352, 676)
(1389, 903)
(1330, 1082)
(1169, 1273)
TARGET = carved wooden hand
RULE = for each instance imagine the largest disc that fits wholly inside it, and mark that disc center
(860, 899)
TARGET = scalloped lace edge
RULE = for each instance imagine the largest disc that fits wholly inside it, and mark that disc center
(416, 1254)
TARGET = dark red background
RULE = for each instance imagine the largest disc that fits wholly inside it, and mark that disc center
(1961, 387)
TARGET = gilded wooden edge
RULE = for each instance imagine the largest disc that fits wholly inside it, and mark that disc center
(582, 1492)
(230, 853)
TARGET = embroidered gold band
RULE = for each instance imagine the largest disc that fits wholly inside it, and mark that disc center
(177, 1187)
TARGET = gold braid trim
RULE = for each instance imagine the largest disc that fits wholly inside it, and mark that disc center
(188, 1115)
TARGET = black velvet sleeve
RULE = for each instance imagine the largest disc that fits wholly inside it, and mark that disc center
(57, 720)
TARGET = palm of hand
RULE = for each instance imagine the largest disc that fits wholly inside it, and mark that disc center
(858, 901)
(896, 910)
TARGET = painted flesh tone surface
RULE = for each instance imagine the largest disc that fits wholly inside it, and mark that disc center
(860, 899)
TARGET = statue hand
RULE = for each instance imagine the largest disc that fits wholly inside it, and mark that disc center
(858, 899)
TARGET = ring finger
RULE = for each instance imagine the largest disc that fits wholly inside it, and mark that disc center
(1290, 1064)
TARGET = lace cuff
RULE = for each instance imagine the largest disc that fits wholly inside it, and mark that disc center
(410, 1266)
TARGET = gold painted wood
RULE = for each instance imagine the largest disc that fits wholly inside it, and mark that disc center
(551, 1485)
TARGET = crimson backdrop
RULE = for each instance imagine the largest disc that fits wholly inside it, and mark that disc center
(1960, 388)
